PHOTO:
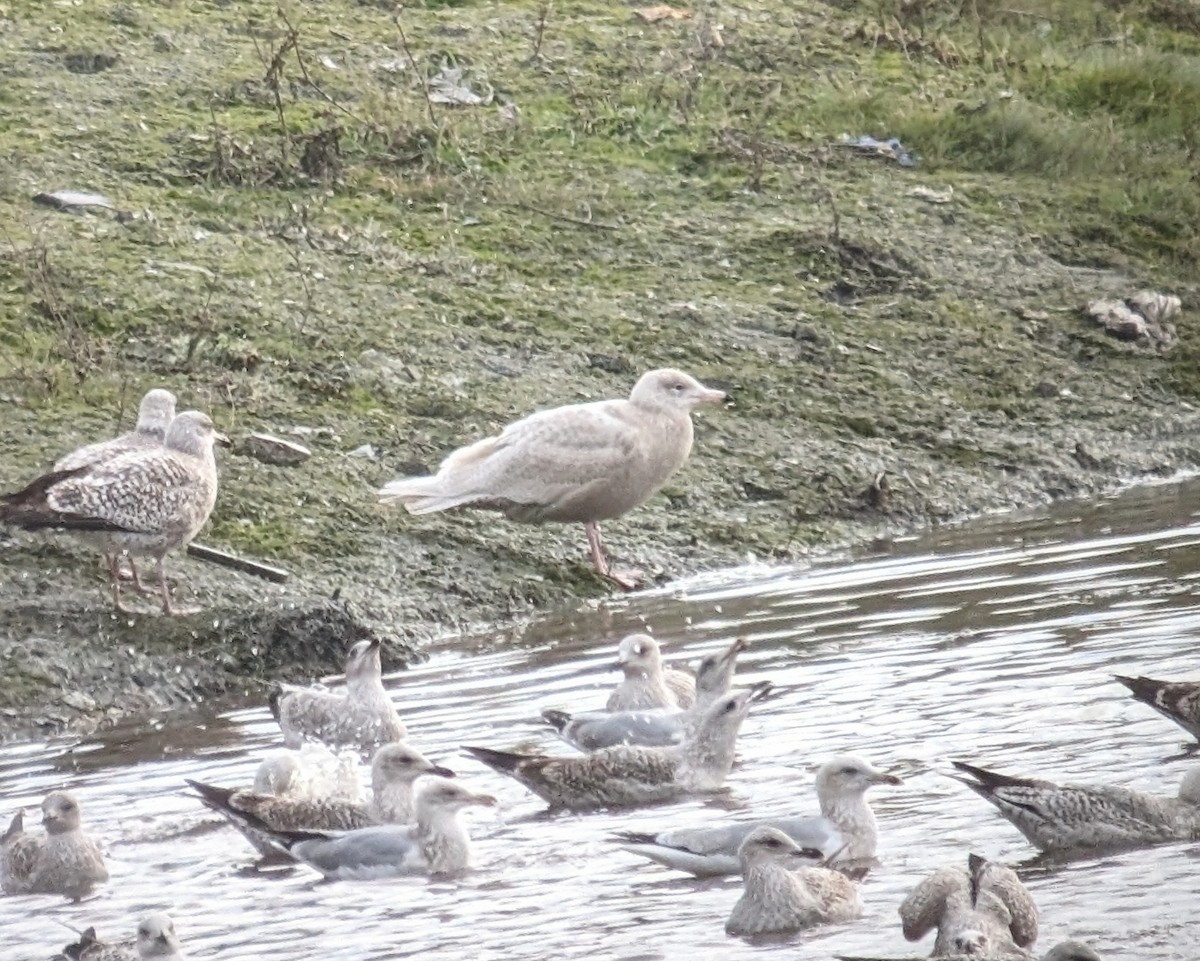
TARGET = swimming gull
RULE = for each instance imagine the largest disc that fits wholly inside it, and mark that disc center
(147, 501)
(363, 717)
(1071, 951)
(1073, 817)
(595, 730)
(647, 683)
(1178, 700)
(626, 776)
(155, 414)
(312, 770)
(156, 938)
(393, 770)
(65, 860)
(785, 888)
(436, 844)
(583, 463)
(845, 830)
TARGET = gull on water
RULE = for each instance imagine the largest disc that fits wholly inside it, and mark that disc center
(436, 843)
(155, 414)
(312, 770)
(844, 831)
(156, 938)
(627, 776)
(648, 684)
(1178, 700)
(363, 718)
(785, 888)
(583, 463)
(1074, 817)
(146, 501)
(394, 769)
(65, 860)
(595, 730)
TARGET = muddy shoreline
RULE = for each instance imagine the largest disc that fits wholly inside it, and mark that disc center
(388, 279)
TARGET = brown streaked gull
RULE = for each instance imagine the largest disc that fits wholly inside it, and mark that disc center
(785, 888)
(394, 769)
(583, 463)
(147, 501)
(1178, 700)
(595, 730)
(628, 776)
(362, 718)
(1079, 818)
(156, 938)
(982, 910)
(65, 860)
(844, 831)
(155, 414)
(436, 844)
(648, 683)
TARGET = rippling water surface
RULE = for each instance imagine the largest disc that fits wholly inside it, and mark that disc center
(993, 643)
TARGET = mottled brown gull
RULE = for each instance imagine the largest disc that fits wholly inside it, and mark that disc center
(1077, 818)
(155, 414)
(596, 730)
(628, 776)
(785, 888)
(648, 684)
(583, 463)
(363, 717)
(394, 769)
(1178, 700)
(436, 844)
(156, 938)
(145, 502)
(845, 830)
(65, 860)
(982, 910)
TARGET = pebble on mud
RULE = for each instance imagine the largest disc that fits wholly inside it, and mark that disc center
(1143, 318)
(275, 450)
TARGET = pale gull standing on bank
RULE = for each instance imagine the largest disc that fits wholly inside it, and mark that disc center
(1178, 700)
(648, 684)
(627, 776)
(785, 888)
(363, 718)
(436, 844)
(394, 769)
(595, 730)
(147, 501)
(1075, 817)
(156, 938)
(65, 860)
(583, 463)
(845, 830)
(155, 414)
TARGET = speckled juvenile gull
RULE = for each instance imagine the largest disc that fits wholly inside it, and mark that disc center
(1071, 951)
(595, 730)
(436, 844)
(142, 502)
(583, 463)
(981, 911)
(1074, 817)
(363, 718)
(156, 938)
(312, 770)
(845, 830)
(155, 414)
(648, 684)
(65, 860)
(785, 888)
(627, 776)
(394, 769)
(1178, 700)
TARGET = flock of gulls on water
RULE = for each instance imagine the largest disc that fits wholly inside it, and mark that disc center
(664, 735)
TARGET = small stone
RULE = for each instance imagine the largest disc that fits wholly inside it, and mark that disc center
(79, 701)
(1045, 388)
(367, 451)
(275, 450)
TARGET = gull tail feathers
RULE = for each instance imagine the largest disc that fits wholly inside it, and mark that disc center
(421, 495)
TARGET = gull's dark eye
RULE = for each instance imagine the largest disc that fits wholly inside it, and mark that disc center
(678, 388)
(849, 770)
(772, 843)
(729, 707)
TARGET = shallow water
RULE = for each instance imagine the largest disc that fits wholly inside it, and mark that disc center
(993, 643)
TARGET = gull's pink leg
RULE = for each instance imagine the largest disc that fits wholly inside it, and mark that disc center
(168, 607)
(114, 577)
(626, 580)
